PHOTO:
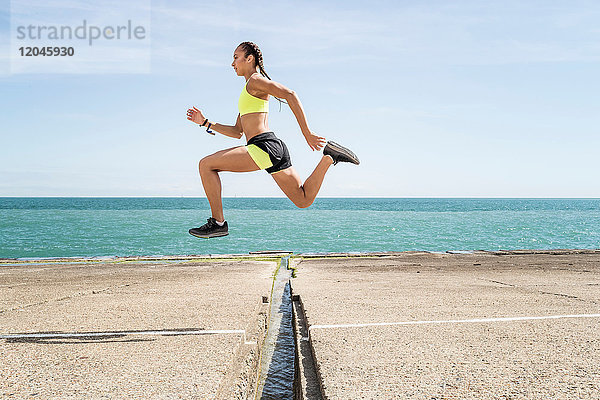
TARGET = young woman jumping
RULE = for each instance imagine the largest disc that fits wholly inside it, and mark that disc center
(263, 150)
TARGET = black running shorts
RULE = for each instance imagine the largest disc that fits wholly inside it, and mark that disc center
(269, 152)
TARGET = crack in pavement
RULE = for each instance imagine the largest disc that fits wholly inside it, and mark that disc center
(541, 291)
(79, 294)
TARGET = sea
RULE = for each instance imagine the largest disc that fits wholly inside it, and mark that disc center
(108, 227)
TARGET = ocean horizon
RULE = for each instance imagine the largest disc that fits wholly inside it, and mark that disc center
(40, 227)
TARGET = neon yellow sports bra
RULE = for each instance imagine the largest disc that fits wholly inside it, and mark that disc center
(250, 104)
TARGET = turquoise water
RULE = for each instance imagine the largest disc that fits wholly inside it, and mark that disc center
(70, 227)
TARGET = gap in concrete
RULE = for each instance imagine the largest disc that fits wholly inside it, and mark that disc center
(277, 366)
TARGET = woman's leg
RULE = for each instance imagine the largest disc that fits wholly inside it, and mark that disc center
(235, 159)
(302, 195)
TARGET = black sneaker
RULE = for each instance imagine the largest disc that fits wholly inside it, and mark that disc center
(210, 229)
(339, 153)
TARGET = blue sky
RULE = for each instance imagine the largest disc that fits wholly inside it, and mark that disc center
(437, 98)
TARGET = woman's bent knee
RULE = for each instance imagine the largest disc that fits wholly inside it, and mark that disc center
(302, 202)
(205, 164)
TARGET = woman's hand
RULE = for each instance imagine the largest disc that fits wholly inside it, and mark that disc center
(195, 115)
(315, 142)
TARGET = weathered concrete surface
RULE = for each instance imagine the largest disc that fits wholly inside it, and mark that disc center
(104, 297)
(539, 359)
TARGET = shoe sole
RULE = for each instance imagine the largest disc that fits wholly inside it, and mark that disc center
(347, 152)
(209, 236)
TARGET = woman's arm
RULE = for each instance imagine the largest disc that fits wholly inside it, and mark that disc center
(234, 131)
(278, 90)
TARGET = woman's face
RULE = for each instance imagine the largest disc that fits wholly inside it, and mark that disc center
(240, 62)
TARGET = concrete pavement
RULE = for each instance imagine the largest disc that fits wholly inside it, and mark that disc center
(111, 300)
(344, 300)
(485, 325)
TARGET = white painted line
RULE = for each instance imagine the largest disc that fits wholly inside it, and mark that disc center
(101, 334)
(453, 321)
